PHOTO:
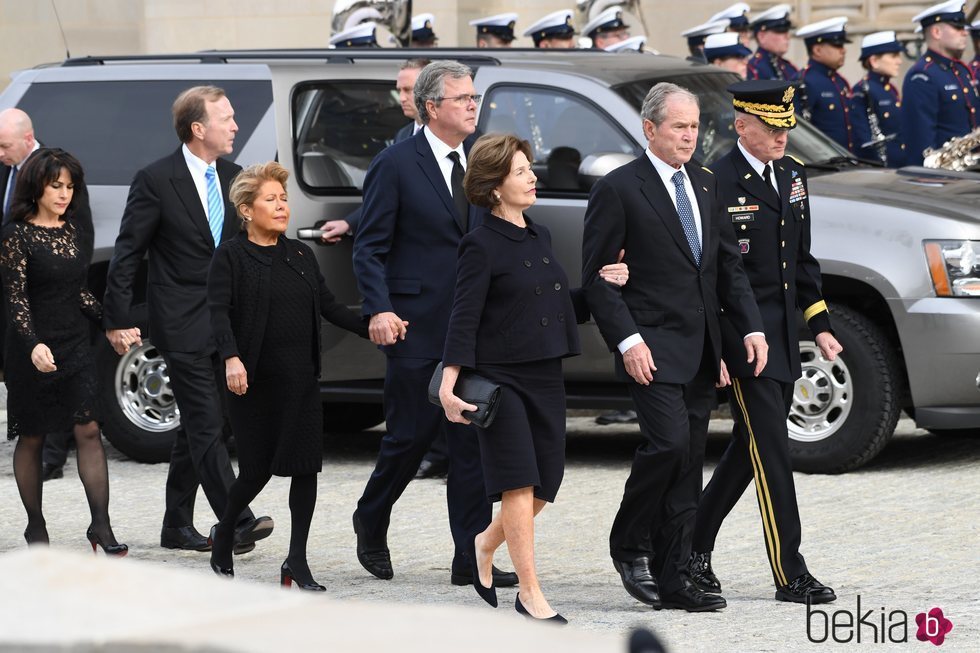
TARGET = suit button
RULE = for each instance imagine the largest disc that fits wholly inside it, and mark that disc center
(527, 263)
(557, 286)
(785, 286)
(782, 223)
(537, 290)
(744, 227)
(546, 260)
(700, 309)
(784, 265)
(561, 317)
(544, 321)
(533, 235)
(782, 243)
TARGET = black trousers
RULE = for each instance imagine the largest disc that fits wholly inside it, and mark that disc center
(412, 424)
(199, 456)
(758, 450)
(660, 501)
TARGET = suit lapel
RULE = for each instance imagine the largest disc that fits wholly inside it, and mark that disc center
(187, 192)
(704, 206)
(656, 194)
(750, 180)
(427, 161)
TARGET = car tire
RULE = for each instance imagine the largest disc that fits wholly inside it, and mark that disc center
(844, 412)
(139, 413)
(351, 418)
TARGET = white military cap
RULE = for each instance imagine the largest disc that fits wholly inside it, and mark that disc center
(825, 31)
(726, 44)
(357, 36)
(608, 20)
(422, 25)
(500, 25)
(635, 43)
(950, 11)
(696, 35)
(557, 23)
(879, 43)
(774, 19)
(735, 15)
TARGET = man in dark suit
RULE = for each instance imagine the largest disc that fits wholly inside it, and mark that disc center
(684, 269)
(765, 196)
(178, 211)
(414, 215)
(17, 144)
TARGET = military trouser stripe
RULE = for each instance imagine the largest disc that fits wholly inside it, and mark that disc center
(762, 493)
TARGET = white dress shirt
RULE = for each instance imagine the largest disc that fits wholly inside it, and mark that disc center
(198, 168)
(758, 166)
(441, 152)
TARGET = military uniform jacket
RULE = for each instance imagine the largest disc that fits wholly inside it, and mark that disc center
(774, 240)
(940, 103)
(826, 97)
(876, 93)
(766, 65)
(975, 65)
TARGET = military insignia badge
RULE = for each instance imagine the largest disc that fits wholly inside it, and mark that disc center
(741, 199)
(794, 174)
(743, 245)
(788, 95)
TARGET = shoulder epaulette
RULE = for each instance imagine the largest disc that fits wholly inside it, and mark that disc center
(797, 160)
(707, 170)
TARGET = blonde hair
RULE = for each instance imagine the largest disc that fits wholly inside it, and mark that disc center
(245, 188)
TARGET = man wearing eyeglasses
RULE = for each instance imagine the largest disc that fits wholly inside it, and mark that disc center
(764, 193)
(413, 217)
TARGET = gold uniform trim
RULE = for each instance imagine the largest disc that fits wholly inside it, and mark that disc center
(797, 160)
(762, 493)
(708, 170)
(815, 308)
(766, 110)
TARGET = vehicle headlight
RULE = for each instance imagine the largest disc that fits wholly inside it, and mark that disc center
(954, 267)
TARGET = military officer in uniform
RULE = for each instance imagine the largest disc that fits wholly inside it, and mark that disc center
(696, 36)
(975, 37)
(726, 51)
(771, 30)
(423, 34)
(553, 31)
(738, 21)
(824, 96)
(764, 194)
(876, 107)
(495, 31)
(940, 92)
(608, 28)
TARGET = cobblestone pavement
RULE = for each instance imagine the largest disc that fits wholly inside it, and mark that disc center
(899, 535)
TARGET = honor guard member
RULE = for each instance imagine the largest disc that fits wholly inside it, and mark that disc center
(632, 44)
(423, 35)
(738, 21)
(495, 31)
(975, 37)
(765, 194)
(607, 28)
(771, 29)
(358, 36)
(696, 36)
(876, 107)
(727, 51)
(553, 31)
(823, 96)
(940, 93)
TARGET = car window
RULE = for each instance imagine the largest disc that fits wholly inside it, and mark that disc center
(562, 128)
(716, 135)
(119, 127)
(338, 128)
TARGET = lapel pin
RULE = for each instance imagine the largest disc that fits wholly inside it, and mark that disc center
(704, 188)
(748, 175)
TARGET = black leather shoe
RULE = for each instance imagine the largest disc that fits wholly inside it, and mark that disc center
(221, 572)
(377, 560)
(803, 588)
(618, 417)
(488, 594)
(690, 598)
(639, 581)
(185, 538)
(51, 472)
(555, 619)
(432, 469)
(501, 578)
(257, 528)
(703, 576)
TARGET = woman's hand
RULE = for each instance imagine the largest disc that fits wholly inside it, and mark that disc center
(617, 273)
(42, 358)
(235, 375)
(453, 405)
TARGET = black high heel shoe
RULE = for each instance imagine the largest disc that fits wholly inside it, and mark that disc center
(36, 537)
(226, 572)
(488, 594)
(556, 619)
(287, 578)
(115, 550)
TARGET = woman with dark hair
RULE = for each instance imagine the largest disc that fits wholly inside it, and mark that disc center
(48, 359)
(266, 296)
(513, 320)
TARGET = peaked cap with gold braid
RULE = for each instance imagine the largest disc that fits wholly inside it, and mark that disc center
(771, 100)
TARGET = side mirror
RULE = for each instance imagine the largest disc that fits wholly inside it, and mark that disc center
(596, 166)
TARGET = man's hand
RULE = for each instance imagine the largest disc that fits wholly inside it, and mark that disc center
(122, 339)
(829, 347)
(386, 328)
(235, 375)
(42, 358)
(639, 363)
(757, 350)
(617, 273)
(723, 378)
(334, 230)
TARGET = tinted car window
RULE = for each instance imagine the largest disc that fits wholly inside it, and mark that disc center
(562, 129)
(119, 127)
(716, 135)
(338, 128)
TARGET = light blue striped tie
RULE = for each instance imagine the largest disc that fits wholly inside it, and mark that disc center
(216, 208)
(686, 214)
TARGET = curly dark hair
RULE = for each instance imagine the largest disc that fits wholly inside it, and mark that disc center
(43, 168)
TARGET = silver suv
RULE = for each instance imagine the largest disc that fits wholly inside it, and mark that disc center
(898, 248)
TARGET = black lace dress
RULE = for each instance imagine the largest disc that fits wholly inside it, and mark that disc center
(44, 273)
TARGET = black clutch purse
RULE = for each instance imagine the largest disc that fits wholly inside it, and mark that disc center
(473, 389)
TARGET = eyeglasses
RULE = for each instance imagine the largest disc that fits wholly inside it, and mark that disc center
(774, 131)
(463, 99)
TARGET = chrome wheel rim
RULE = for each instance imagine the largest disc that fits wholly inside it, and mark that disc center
(822, 396)
(143, 390)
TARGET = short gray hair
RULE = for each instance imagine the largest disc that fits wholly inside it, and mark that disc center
(655, 103)
(431, 84)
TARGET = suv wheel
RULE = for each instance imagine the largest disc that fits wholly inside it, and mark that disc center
(844, 411)
(140, 416)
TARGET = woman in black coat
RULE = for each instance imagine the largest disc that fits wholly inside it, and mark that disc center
(513, 320)
(266, 295)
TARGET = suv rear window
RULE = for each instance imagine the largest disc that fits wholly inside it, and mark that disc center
(121, 126)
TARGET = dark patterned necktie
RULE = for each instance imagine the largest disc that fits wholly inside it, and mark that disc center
(456, 182)
(686, 214)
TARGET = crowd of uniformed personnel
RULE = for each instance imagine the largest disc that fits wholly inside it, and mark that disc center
(876, 119)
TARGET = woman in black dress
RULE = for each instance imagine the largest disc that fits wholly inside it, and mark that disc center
(266, 296)
(47, 352)
(513, 321)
